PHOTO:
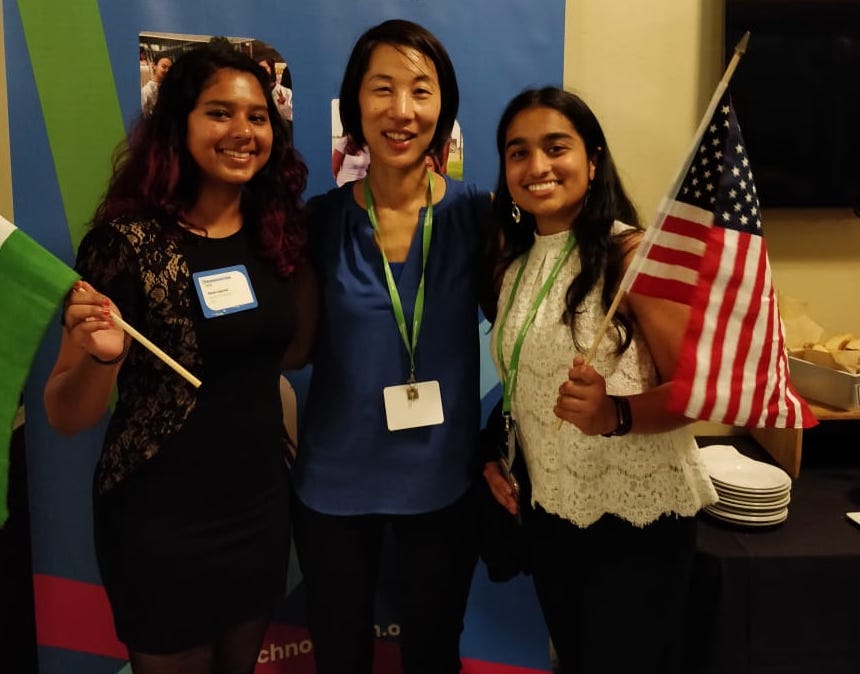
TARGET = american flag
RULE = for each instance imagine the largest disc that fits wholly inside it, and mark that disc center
(707, 250)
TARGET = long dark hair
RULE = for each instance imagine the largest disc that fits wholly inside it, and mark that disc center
(155, 177)
(600, 253)
(399, 33)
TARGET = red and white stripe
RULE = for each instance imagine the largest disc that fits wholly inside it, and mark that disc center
(667, 261)
(732, 367)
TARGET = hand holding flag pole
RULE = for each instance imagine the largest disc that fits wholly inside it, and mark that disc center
(156, 351)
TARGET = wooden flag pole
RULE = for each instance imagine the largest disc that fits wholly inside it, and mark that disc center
(167, 360)
(641, 253)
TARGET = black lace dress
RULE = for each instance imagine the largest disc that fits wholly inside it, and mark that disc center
(193, 537)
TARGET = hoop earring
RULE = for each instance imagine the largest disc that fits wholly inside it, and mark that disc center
(515, 212)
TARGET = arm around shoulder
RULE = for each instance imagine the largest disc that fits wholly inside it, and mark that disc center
(307, 308)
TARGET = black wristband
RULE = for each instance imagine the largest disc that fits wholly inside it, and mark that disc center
(118, 359)
(625, 418)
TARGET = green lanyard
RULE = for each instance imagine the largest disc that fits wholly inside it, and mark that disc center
(396, 304)
(509, 374)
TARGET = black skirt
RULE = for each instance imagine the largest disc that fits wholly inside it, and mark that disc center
(182, 563)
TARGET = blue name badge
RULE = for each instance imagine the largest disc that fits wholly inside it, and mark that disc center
(224, 291)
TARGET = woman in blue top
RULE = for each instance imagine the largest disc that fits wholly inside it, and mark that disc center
(393, 412)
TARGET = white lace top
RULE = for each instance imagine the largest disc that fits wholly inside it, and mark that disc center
(637, 477)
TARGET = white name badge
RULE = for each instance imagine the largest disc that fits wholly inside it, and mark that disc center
(224, 291)
(402, 412)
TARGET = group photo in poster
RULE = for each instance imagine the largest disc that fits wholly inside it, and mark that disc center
(158, 51)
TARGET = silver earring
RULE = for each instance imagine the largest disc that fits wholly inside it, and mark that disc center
(515, 212)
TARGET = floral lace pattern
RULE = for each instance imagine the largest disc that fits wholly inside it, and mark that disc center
(134, 264)
(637, 477)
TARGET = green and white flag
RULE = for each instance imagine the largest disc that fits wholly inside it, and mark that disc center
(33, 283)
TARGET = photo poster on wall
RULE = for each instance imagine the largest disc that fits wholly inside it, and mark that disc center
(75, 73)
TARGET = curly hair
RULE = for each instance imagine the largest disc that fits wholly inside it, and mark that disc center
(155, 176)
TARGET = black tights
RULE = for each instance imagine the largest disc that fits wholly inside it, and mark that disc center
(234, 652)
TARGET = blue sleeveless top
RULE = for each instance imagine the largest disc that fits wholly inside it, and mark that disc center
(348, 461)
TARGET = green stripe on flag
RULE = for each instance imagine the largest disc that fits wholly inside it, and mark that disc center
(72, 69)
(34, 283)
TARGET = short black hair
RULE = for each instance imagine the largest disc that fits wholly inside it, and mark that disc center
(399, 33)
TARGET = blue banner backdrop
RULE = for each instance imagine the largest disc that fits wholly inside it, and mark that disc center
(498, 48)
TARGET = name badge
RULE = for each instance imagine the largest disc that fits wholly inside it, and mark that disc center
(413, 405)
(224, 291)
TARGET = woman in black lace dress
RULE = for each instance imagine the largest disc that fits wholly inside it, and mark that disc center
(199, 242)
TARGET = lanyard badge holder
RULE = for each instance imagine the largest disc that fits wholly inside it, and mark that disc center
(415, 403)
(506, 460)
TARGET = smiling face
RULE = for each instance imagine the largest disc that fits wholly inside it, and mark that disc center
(229, 133)
(400, 99)
(547, 168)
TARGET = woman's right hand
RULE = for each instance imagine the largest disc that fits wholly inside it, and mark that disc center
(500, 487)
(87, 320)
(78, 390)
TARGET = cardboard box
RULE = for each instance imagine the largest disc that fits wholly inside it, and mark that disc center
(824, 384)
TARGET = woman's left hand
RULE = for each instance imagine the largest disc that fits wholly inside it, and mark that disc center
(583, 402)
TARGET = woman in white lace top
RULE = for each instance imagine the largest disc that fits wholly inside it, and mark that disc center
(615, 489)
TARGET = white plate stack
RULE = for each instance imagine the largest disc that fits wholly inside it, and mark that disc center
(752, 493)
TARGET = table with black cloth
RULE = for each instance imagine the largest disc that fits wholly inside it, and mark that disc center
(784, 599)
